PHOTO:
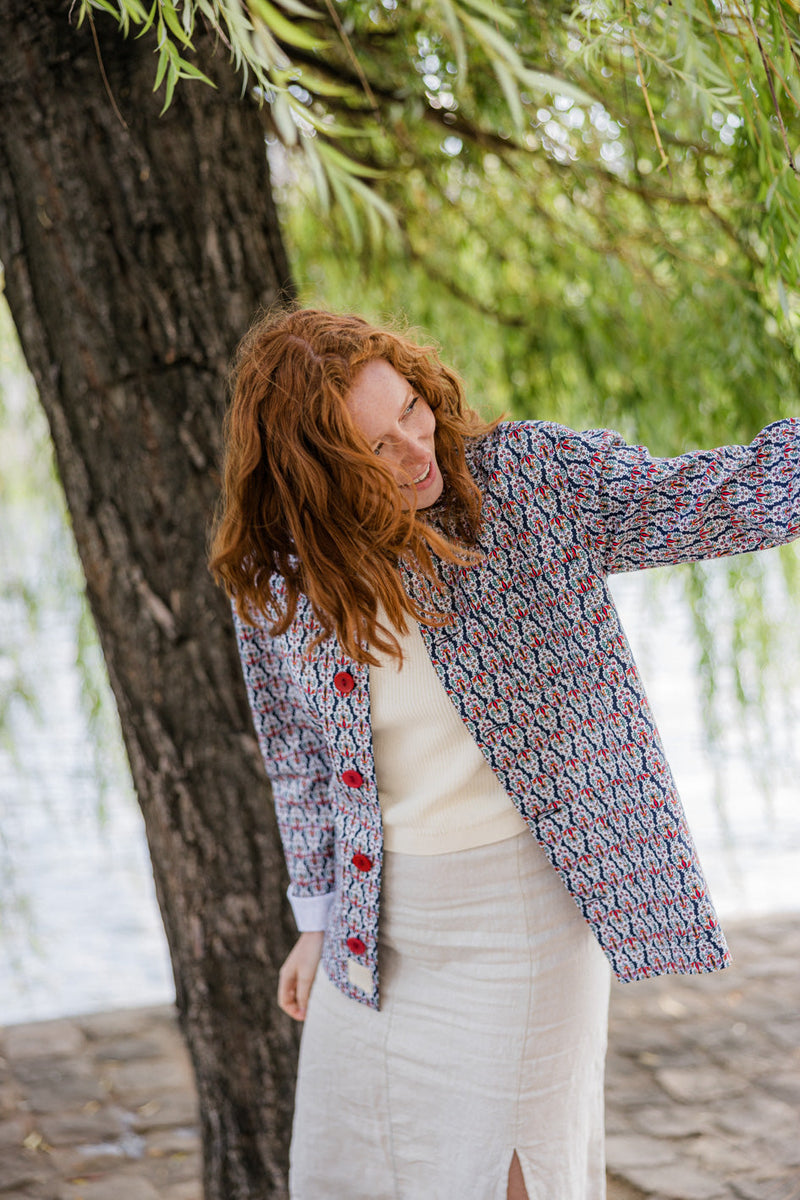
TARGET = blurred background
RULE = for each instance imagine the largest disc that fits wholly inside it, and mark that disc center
(608, 241)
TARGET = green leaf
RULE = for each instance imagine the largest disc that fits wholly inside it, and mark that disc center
(163, 63)
(282, 28)
(147, 19)
(190, 71)
(171, 17)
(318, 173)
(511, 93)
(323, 123)
(348, 165)
(172, 79)
(265, 54)
(284, 121)
(317, 84)
(375, 202)
(456, 33)
(493, 44)
(344, 199)
(103, 5)
(493, 12)
(137, 11)
(300, 10)
(542, 81)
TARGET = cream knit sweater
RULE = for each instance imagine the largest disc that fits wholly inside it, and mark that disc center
(436, 790)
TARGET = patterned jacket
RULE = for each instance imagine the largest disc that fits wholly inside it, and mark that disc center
(538, 667)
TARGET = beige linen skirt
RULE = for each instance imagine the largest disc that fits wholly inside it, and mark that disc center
(490, 1038)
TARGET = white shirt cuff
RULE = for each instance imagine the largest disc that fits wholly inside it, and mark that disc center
(311, 912)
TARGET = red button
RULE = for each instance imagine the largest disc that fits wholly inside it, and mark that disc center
(352, 778)
(362, 862)
(356, 946)
(344, 683)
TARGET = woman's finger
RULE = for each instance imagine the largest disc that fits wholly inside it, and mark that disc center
(304, 983)
(297, 975)
(287, 989)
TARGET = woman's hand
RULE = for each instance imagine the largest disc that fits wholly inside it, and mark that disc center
(297, 975)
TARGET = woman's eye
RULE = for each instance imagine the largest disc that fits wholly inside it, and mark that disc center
(411, 406)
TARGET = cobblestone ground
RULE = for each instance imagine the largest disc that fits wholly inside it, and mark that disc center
(703, 1092)
(98, 1108)
(703, 1077)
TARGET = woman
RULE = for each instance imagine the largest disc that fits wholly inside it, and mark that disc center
(437, 672)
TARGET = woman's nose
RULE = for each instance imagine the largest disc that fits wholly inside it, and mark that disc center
(413, 456)
(402, 446)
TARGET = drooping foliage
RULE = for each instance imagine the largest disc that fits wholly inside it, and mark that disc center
(694, 104)
(595, 207)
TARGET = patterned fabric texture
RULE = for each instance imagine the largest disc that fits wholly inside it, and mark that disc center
(539, 669)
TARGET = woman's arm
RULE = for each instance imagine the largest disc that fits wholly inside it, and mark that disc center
(296, 761)
(640, 511)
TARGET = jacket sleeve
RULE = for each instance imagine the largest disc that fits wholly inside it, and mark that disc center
(296, 760)
(640, 511)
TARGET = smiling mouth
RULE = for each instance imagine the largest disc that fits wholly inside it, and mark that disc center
(424, 476)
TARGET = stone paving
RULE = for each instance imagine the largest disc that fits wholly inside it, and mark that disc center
(703, 1077)
(98, 1108)
(703, 1091)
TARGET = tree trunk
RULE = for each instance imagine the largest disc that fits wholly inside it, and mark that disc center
(135, 255)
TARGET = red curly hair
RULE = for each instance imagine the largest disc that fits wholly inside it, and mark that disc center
(306, 499)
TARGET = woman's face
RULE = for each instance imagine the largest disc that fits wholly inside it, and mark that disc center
(399, 426)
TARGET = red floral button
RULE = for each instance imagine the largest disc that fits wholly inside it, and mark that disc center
(362, 862)
(356, 946)
(344, 683)
(352, 779)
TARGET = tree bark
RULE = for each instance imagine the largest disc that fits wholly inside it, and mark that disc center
(135, 254)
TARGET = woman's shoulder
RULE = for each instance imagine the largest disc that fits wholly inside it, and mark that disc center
(273, 605)
(525, 445)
